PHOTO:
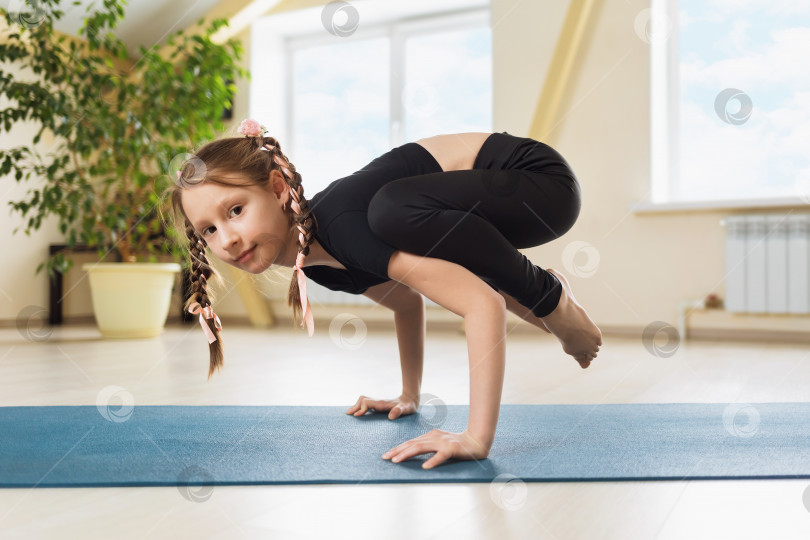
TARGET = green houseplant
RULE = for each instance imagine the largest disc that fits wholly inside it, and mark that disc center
(120, 126)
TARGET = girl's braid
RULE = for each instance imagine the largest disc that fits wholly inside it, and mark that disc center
(304, 221)
(199, 302)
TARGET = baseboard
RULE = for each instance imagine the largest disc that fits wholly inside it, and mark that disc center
(714, 325)
(716, 334)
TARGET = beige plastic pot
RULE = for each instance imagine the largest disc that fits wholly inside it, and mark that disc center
(131, 300)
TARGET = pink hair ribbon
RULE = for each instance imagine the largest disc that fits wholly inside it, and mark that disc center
(302, 287)
(208, 311)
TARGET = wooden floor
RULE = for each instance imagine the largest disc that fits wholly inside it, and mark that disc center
(70, 365)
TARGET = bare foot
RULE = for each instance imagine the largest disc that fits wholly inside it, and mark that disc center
(580, 337)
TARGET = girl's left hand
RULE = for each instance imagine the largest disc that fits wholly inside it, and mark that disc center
(446, 445)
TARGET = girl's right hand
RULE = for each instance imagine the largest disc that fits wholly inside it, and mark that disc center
(401, 406)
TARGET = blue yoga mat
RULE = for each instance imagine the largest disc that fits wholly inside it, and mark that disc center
(71, 446)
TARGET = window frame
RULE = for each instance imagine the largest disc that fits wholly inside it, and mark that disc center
(397, 31)
(665, 103)
(277, 36)
(270, 90)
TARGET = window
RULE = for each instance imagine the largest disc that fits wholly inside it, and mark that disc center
(410, 69)
(730, 100)
(335, 102)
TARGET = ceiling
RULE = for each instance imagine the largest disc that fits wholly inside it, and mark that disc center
(145, 22)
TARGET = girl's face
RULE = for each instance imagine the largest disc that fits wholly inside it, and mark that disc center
(245, 226)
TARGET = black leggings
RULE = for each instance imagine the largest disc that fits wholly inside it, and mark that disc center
(520, 193)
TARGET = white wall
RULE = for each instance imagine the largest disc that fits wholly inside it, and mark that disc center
(647, 263)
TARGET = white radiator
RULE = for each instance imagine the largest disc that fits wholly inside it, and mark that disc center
(768, 263)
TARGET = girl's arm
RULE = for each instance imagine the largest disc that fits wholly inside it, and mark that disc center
(409, 320)
(457, 289)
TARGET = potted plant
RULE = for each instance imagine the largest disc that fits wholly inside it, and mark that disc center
(120, 128)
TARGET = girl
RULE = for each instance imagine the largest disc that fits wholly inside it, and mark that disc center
(442, 217)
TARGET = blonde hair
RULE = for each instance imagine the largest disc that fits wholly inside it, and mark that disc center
(218, 162)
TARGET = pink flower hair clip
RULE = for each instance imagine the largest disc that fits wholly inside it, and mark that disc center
(251, 128)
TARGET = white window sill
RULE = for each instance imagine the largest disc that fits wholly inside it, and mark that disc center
(647, 207)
